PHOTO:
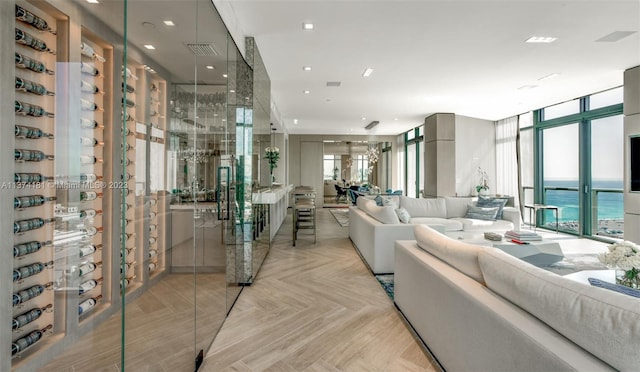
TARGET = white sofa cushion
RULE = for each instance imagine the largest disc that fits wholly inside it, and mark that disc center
(462, 256)
(457, 206)
(605, 323)
(449, 225)
(469, 224)
(386, 215)
(424, 207)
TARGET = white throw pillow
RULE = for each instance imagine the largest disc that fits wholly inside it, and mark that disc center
(434, 207)
(605, 323)
(403, 215)
(462, 256)
(386, 215)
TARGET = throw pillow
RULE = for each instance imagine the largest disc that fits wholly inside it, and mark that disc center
(489, 202)
(480, 213)
(378, 200)
(403, 215)
(386, 201)
(615, 287)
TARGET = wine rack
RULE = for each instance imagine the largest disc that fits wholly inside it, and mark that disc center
(94, 181)
(33, 189)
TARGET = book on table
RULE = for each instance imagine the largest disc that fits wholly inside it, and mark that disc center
(523, 235)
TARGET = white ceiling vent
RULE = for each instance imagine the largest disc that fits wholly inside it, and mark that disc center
(333, 83)
(202, 49)
(615, 36)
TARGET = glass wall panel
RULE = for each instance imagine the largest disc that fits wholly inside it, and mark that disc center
(607, 176)
(562, 109)
(607, 98)
(411, 175)
(526, 169)
(561, 176)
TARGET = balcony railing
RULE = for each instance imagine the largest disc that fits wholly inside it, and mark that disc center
(607, 212)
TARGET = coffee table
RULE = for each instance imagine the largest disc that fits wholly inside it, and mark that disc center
(537, 253)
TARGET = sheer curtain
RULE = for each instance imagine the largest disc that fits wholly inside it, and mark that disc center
(507, 158)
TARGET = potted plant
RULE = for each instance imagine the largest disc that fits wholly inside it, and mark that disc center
(483, 187)
(272, 154)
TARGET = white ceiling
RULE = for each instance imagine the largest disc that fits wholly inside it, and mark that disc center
(465, 57)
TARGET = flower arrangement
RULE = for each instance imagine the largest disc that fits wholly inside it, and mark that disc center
(272, 154)
(484, 178)
(626, 257)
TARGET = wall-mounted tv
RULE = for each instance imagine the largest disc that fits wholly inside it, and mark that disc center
(634, 150)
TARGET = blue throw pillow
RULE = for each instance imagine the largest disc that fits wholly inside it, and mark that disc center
(378, 200)
(481, 213)
(489, 202)
(615, 287)
(403, 215)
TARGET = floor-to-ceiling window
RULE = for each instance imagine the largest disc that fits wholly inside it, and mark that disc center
(580, 162)
(414, 152)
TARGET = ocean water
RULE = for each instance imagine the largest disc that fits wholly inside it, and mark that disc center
(610, 205)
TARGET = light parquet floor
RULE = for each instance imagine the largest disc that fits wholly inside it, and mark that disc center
(315, 307)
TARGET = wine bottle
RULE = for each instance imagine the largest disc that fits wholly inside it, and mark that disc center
(126, 281)
(127, 161)
(126, 266)
(23, 108)
(153, 253)
(90, 124)
(30, 224)
(128, 132)
(30, 270)
(89, 177)
(128, 74)
(126, 147)
(126, 177)
(153, 202)
(30, 178)
(127, 117)
(88, 250)
(31, 155)
(127, 236)
(90, 213)
(128, 88)
(31, 201)
(93, 231)
(28, 340)
(22, 131)
(127, 252)
(152, 240)
(25, 62)
(153, 228)
(87, 50)
(88, 159)
(128, 102)
(89, 106)
(24, 249)
(28, 317)
(90, 195)
(152, 266)
(152, 215)
(32, 87)
(27, 39)
(90, 88)
(88, 285)
(88, 267)
(153, 88)
(29, 293)
(89, 69)
(87, 141)
(127, 207)
(88, 304)
(153, 113)
(26, 16)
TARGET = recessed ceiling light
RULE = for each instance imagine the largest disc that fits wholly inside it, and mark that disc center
(209, 67)
(363, 118)
(295, 121)
(527, 87)
(149, 46)
(306, 91)
(224, 75)
(541, 39)
(396, 119)
(92, 1)
(169, 23)
(306, 68)
(307, 26)
(550, 76)
(367, 72)
(232, 91)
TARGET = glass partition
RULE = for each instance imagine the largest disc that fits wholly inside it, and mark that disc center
(132, 178)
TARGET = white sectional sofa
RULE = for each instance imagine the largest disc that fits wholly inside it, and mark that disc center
(480, 309)
(373, 229)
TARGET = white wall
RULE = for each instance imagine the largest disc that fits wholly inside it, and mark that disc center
(631, 128)
(474, 146)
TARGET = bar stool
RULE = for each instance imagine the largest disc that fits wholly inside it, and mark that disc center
(304, 211)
